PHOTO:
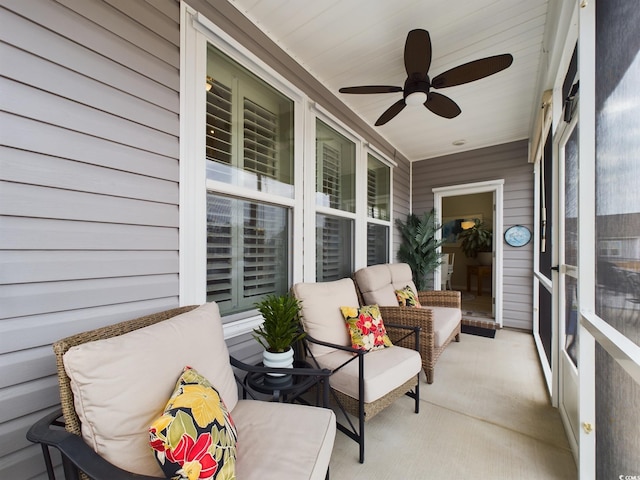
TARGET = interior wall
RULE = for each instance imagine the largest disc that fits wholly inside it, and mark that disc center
(466, 206)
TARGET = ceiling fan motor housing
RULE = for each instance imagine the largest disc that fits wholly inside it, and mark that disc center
(412, 85)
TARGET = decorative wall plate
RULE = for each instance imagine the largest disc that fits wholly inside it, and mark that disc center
(517, 236)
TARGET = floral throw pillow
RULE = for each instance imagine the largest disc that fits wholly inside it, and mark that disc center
(406, 297)
(366, 327)
(195, 437)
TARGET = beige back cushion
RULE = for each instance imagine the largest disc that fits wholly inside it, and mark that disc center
(321, 315)
(401, 276)
(121, 384)
(378, 283)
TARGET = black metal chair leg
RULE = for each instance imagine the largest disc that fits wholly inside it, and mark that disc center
(418, 395)
(47, 461)
(361, 409)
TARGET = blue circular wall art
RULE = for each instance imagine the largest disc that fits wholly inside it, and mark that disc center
(517, 236)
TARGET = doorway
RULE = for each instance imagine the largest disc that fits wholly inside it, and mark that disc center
(479, 281)
(472, 276)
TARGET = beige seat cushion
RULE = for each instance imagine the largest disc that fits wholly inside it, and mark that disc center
(122, 384)
(321, 315)
(384, 370)
(445, 320)
(278, 441)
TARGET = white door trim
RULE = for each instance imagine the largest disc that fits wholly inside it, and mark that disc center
(496, 187)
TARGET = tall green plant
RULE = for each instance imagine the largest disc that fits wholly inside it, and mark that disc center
(419, 248)
(281, 327)
(476, 239)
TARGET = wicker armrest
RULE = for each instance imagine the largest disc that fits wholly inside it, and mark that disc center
(409, 317)
(48, 433)
(412, 330)
(440, 298)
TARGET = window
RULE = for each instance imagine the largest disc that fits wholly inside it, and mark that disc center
(257, 213)
(335, 199)
(378, 209)
(249, 145)
(247, 248)
(617, 237)
(249, 129)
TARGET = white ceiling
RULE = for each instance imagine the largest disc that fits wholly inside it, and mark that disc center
(361, 42)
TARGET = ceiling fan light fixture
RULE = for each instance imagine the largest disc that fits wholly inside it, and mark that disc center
(416, 98)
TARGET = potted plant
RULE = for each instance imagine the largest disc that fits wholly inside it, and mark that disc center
(419, 248)
(279, 331)
(476, 240)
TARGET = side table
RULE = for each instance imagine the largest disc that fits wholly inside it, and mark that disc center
(480, 271)
(286, 388)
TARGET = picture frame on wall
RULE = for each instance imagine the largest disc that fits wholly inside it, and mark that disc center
(452, 226)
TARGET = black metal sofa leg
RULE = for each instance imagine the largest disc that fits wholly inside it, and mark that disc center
(418, 395)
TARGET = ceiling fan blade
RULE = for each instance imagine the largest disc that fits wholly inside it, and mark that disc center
(391, 112)
(441, 105)
(371, 89)
(417, 53)
(472, 71)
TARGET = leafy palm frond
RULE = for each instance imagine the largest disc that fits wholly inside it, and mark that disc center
(419, 248)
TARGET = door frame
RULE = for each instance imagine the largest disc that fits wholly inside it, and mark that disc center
(567, 386)
(497, 188)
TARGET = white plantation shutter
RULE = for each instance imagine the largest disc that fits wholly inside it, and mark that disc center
(331, 174)
(260, 140)
(372, 193)
(372, 250)
(264, 237)
(219, 133)
(329, 255)
(377, 244)
(220, 250)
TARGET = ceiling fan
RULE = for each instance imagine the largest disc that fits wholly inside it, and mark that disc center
(417, 86)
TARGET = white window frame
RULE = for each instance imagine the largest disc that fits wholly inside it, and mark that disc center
(196, 32)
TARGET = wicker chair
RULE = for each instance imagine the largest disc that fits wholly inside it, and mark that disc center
(63, 429)
(440, 316)
(362, 383)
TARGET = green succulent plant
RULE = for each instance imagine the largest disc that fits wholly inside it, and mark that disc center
(281, 327)
(419, 248)
(476, 239)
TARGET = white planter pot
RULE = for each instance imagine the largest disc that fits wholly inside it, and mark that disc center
(278, 360)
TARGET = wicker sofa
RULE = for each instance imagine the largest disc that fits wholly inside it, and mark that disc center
(114, 381)
(440, 316)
